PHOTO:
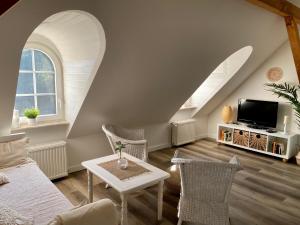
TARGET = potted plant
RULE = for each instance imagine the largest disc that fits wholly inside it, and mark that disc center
(290, 93)
(31, 115)
(122, 162)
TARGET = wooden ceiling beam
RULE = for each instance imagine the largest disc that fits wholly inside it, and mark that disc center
(294, 38)
(291, 14)
(280, 7)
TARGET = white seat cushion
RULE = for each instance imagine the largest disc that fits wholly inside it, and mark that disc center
(32, 194)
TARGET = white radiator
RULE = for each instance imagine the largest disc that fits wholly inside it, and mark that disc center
(183, 132)
(51, 158)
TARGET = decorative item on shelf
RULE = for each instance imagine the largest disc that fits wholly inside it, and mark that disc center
(289, 92)
(227, 136)
(274, 74)
(16, 119)
(221, 137)
(285, 122)
(31, 115)
(227, 114)
(278, 148)
(122, 162)
(298, 158)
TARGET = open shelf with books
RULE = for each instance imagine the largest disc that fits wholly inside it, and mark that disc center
(225, 134)
(276, 144)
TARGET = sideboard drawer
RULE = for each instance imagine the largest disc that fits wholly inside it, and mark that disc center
(241, 137)
(258, 141)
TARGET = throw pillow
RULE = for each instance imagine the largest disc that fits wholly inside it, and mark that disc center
(3, 179)
(9, 216)
(13, 153)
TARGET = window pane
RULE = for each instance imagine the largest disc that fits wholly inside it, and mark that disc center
(26, 60)
(24, 102)
(25, 83)
(47, 104)
(45, 83)
(42, 62)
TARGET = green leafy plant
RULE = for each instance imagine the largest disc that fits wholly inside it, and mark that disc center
(32, 113)
(119, 146)
(288, 92)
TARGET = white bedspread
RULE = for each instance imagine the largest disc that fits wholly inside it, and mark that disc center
(32, 194)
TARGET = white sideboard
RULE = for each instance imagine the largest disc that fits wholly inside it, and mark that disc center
(278, 144)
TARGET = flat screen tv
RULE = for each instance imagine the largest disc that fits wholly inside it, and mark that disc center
(262, 114)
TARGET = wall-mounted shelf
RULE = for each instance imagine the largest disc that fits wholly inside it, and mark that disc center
(276, 144)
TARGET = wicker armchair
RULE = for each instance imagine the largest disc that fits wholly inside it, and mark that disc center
(134, 138)
(205, 188)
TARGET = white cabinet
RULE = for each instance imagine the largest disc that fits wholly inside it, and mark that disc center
(276, 144)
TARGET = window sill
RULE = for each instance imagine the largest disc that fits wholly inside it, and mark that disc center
(24, 127)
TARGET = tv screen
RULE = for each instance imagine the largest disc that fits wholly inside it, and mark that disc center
(261, 113)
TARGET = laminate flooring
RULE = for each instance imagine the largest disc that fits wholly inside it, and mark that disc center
(265, 192)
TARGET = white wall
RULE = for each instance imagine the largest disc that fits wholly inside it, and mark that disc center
(155, 51)
(159, 52)
(253, 88)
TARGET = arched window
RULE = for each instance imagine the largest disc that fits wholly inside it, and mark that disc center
(37, 86)
(217, 79)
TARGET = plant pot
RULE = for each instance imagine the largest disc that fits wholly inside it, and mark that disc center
(31, 121)
(122, 163)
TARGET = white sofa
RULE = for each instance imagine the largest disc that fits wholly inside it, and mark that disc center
(33, 195)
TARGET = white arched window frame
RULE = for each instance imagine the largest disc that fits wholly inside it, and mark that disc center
(58, 75)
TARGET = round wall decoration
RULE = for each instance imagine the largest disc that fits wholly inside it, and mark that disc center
(275, 74)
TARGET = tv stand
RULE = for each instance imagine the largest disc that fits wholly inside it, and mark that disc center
(278, 144)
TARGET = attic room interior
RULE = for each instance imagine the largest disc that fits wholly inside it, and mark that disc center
(150, 112)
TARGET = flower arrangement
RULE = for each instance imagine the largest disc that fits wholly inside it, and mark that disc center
(119, 147)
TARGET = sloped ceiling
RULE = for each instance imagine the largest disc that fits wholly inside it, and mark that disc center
(245, 71)
(157, 53)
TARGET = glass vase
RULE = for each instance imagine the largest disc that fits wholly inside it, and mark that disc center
(122, 163)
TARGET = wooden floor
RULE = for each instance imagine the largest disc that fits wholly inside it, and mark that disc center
(266, 192)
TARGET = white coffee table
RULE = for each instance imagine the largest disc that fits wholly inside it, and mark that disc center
(156, 176)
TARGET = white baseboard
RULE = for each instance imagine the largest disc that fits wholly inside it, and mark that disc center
(212, 135)
(152, 148)
(158, 147)
(79, 167)
(75, 168)
(201, 136)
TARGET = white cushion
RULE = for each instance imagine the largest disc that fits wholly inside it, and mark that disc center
(101, 212)
(9, 216)
(3, 179)
(13, 153)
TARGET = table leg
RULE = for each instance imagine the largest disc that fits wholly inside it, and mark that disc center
(160, 200)
(90, 186)
(124, 210)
